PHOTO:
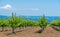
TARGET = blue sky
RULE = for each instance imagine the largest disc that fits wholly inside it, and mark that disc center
(30, 7)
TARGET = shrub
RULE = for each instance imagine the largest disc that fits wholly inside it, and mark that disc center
(42, 23)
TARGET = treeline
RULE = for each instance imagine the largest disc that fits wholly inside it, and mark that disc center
(18, 22)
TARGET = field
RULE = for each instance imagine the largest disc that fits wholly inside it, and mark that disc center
(20, 27)
(29, 18)
(30, 32)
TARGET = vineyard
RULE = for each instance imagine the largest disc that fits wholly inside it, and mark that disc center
(19, 23)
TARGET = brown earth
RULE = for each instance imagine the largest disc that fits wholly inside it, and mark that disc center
(30, 32)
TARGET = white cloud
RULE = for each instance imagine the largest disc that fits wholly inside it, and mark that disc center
(7, 6)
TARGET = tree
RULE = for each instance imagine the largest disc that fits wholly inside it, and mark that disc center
(13, 22)
(42, 23)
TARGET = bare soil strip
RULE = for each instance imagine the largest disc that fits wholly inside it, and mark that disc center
(31, 32)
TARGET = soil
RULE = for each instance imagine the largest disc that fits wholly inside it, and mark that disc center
(30, 32)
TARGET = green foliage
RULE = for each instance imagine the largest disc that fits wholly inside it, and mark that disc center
(36, 23)
(30, 23)
(13, 21)
(3, 22)
(55, 23)
(43, 22)
(21, 22)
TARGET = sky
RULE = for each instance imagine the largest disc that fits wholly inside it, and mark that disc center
(30, 7)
